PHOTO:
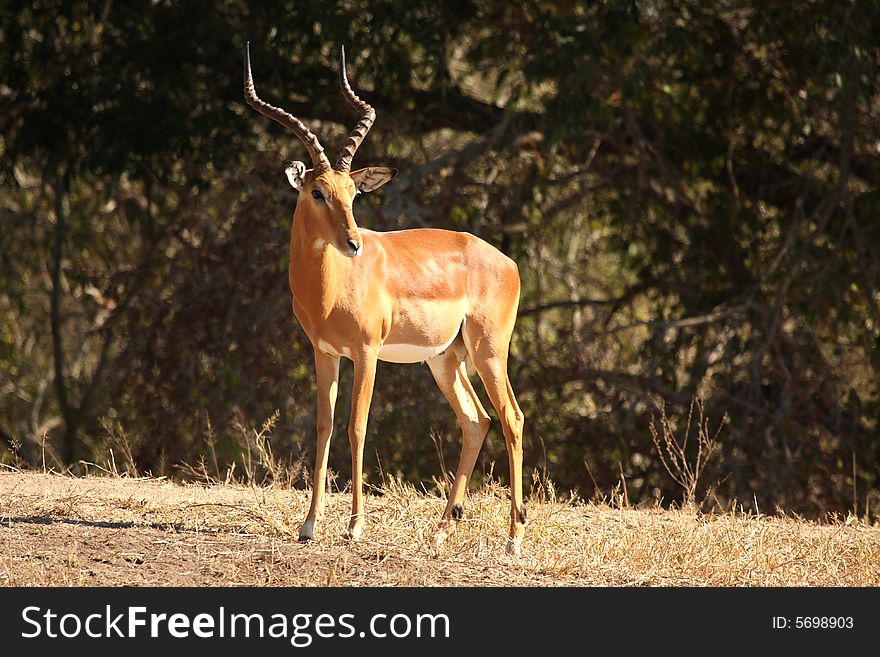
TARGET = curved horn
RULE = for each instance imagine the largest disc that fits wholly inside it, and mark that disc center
(297, 127)
(343, 163)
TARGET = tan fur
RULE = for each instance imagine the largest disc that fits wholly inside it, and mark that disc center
(422, 288)
(420, 293)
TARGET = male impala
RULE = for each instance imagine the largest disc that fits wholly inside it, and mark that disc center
(407, 296)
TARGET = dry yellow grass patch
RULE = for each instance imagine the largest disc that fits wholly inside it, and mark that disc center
(58, 530)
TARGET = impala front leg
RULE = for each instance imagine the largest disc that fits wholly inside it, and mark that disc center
(362, 393)
(327, 375)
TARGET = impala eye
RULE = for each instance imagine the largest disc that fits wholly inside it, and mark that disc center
(317, 195)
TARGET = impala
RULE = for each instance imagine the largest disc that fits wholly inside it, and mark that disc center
(407, 296)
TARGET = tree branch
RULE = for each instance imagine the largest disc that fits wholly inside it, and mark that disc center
(59, 185)
(449, 107)
(696, 320)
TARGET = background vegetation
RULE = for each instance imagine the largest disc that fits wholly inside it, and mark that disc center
(690, 190)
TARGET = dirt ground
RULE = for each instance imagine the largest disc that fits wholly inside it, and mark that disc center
(114, 531)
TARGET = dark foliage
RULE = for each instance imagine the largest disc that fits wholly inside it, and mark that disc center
(689, 190)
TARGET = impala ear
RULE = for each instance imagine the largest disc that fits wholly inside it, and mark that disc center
(366, 180)
(296, 174)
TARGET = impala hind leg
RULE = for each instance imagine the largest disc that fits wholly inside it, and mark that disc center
(493, 373)
(487, 343)
(327, 377)
(451, 375)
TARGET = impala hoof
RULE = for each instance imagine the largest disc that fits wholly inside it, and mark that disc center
(307, 531)
(448, 525)
(442, 534)
(512, 547)
(354, 532)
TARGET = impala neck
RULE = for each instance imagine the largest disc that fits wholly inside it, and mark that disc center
(317, 269)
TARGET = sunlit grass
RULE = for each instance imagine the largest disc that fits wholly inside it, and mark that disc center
(57, 530)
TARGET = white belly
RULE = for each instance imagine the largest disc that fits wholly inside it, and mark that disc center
(411, 353)
(328, 348)
(393, 353)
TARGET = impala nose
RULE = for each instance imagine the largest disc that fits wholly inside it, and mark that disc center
(355, 248)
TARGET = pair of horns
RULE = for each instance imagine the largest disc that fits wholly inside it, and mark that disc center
(306, 136)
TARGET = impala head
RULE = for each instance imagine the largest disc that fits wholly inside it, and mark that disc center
(326, 192)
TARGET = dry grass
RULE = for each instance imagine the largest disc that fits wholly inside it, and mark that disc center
(57, 530)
